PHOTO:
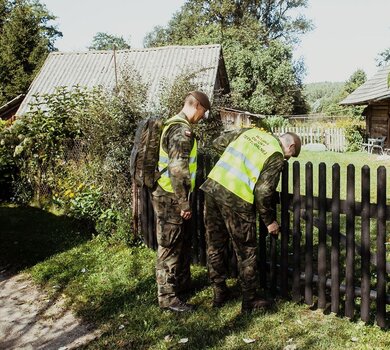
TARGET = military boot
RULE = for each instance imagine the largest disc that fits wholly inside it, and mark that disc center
(177, 305)
(221, 295)
(252, 302)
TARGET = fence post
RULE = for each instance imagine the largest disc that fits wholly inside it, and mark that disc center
(309, 235)
(322, 236)
(350, 254)
(285, 231)
(262, 253)
(365, 245)
(296, 293)
(381, 252)
(335, 253)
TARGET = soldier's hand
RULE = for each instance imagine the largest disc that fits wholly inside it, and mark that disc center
(273, 228)
(186, 214)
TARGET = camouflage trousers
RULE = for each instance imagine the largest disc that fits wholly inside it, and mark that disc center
(174, 250)
(222, 223)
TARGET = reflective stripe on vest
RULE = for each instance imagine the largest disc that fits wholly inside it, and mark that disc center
(240, 165)
(165, 180)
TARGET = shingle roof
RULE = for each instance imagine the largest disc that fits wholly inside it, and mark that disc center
(97, 68)
(374, 89)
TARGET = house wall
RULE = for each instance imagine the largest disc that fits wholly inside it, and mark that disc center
(234, 120)
(378, 120)
(9, 114)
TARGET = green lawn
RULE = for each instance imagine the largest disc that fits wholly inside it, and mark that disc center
(358, 159)
(113, 286)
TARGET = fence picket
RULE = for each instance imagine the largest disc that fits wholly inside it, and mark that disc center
(335, 253)
(309, 235)
(285, 231)
(296, 293)
(381, 251)
(333, 138)
(365, 245)
(350, 253)
(322, 236)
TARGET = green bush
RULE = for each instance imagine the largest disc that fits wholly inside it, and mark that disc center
(275, 121)
(73, 147)
(8, 169)
(354, 130)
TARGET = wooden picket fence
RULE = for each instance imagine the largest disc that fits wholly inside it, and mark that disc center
(332, 138)
(320, 257)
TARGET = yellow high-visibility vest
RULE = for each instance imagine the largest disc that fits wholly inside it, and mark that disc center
(240, 165)
(165, 181)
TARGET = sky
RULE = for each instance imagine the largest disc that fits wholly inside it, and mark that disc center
(347, 35)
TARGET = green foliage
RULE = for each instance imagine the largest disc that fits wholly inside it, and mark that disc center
(73, 148)
(172, 96)
(8, 168)
(322, 94)
(276, 20)
(275, 122)
(26, 37)
(256, 41)
(325, 97)
(105, 41)
(262, 79)
(354, 129)
(39, 137)
(383, 57)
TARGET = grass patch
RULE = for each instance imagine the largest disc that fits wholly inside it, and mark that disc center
(29, 235)
(114, 286)
(358, 159)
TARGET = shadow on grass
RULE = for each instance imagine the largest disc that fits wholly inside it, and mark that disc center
(136, 322)
(30, 235)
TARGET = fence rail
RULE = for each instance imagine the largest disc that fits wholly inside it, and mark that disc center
(320, 254)
(332, 138)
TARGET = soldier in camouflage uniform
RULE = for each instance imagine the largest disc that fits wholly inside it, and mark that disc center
(244, 178)
(171, 201)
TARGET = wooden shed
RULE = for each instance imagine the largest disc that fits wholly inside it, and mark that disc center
(234, 119)
(8, 111)
(375, 93)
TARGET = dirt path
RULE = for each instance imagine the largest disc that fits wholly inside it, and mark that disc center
(30, 320)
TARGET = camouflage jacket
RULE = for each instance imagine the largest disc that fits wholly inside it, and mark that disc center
(264, 189)
(178, 142)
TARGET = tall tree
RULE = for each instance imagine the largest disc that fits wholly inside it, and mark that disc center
(257, 38)
(26, 39)
(105, 41)
(383, 57)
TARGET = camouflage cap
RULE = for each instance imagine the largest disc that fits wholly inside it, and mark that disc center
(202, 98)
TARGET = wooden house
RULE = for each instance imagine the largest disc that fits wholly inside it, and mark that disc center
(375, 94)
(153, 65)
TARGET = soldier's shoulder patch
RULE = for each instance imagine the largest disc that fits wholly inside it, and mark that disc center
(188, 133)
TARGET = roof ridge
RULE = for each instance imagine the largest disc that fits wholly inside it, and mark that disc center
(105, 52)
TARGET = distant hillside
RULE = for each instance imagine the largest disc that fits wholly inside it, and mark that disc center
(322, 93)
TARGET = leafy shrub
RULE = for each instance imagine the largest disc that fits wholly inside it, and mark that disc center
(275, 121)
(73, 148)
(8, 168)
(354, 130)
